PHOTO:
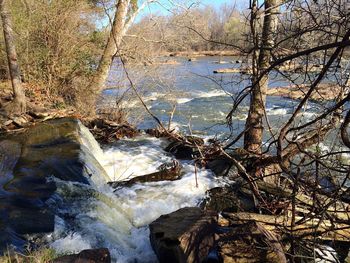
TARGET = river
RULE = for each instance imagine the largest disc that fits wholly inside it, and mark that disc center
(96, 215)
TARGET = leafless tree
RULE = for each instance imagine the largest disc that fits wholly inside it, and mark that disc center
(18, 105)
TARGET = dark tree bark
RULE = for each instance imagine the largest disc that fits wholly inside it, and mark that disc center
(18, 105)
(254, 124)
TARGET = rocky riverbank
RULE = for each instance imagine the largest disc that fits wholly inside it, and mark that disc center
(204, 53)
(228, 226)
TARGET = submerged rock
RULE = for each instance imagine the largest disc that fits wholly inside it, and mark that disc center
(186, 235)
(100, 255)
(61, 148)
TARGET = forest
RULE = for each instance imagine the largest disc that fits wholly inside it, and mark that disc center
(174, 131)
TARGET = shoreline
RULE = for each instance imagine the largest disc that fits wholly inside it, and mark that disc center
(205, 53)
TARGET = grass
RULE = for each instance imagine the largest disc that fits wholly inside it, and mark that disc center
(44, 255)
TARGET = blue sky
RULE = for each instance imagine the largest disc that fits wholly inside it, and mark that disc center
(158, 9)
(239, 3)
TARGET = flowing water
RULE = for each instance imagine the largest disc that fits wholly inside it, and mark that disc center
(95, 215)
(92, 216)
(203, 99)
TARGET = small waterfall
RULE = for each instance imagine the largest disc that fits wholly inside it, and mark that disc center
(93, 216)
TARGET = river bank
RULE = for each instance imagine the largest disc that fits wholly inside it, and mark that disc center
(204, 53)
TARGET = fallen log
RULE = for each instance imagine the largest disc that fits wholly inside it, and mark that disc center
(309, 229)
(334, 208)
(167, 172)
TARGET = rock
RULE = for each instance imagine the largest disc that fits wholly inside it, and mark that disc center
(61, 148)
(192, 235)
(20, 121)
(9, 154)
(250, 243)
(182, 150)
(324, 92)
(170, 62)
(186, 235)
(31, 220)
(222, 166)
(246, 71)
(39, 114)
(228, 199)
(31, 187)
(167, 172)
(8, 122)
(100, 255)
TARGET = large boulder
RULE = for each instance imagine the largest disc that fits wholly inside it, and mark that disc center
(61, 148)
(191, 235)
(186, 235)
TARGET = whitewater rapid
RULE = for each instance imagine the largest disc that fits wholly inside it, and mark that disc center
(95, 216)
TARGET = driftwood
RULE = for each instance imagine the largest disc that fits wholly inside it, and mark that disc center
(334, 208)
(106, 131)
(322, 229)
(167, 172)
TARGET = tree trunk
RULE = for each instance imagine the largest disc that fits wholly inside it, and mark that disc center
(18, 105)
(254, 124)
(114, 40)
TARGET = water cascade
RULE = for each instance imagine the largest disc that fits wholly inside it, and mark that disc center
(92, 216)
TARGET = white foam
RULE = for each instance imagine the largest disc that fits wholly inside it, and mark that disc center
(72, 243)
(212, 93)
(122, 161)
(150, 201)
(277, 111)
(183, 100)
(119, 220)
(153, 96)
(326, 254)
